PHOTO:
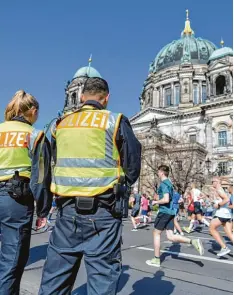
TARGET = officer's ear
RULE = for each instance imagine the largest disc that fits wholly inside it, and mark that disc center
(105, 100)
(82, 98)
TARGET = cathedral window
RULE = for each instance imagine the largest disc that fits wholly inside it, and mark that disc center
(203, 93)
(74, 98)
(220, 85)
(222, 138)
(177, 95)
(195, 94)
(168, 97)
(192, 138)
(223, 168)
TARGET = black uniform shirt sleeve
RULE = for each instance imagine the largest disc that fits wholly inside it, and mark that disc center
(130, 151)
(54, 149)
(41, 178)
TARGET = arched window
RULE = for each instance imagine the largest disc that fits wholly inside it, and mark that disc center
(203, 93)
(220, 85)
(222, 137)
(168, 101)
(74, 98)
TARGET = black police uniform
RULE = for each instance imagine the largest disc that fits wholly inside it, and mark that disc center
(96, 236)
(16, 218)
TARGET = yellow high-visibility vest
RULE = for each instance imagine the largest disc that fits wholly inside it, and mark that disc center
(88, 161)
(17, 143)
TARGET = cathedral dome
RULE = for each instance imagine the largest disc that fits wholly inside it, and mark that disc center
(87, 72)
(221, 52)
(187, 49)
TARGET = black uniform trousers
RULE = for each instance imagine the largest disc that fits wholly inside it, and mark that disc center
(15, 225)
(97, 238)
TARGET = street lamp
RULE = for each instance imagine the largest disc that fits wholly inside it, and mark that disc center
(208, 165)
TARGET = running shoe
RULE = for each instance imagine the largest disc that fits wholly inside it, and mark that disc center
(154, 262)
(197, 244)
(223, 251)
(186, 229)
(182, 234)
(134, 229)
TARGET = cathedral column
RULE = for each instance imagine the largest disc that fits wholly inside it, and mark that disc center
(200, 91)
(154, 97)
(230, 82)
(172, 93)
(158, 98)
(209, 137)
(208, 88)
(161, 97)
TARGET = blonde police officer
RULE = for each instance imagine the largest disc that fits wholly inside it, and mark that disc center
(93, 148)
(21, 148)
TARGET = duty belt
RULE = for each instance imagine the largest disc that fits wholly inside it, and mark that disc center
(85, 205)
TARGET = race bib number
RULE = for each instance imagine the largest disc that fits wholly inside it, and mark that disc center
(13, 139)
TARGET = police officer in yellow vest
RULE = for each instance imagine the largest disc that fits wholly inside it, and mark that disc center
(24, 174)
(94, 149)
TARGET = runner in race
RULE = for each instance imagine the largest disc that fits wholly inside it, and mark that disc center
(165, 218)
(144, 208)
(135, 203)
(222, 217)
(197, 198)
(176, 204)
(182, 211)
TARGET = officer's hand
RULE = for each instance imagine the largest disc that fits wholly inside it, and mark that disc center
(40, 223)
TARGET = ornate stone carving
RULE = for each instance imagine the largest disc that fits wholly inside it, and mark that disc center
(154, 123)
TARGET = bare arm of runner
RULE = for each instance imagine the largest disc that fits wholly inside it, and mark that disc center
(224, 198)
(164, 200)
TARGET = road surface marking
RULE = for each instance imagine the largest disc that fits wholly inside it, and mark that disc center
(179, 254)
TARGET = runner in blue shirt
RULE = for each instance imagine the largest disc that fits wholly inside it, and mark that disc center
(165, 218)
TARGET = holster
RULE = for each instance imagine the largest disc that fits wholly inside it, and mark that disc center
(120, 208)
(18, 187)
(85, 205)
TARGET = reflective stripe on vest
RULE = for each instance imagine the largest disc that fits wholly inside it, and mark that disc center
(88, 162)
(17, 143)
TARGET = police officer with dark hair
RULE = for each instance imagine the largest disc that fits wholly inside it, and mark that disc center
(96, 154)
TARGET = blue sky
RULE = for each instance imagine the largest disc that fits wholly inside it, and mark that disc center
(44, 42)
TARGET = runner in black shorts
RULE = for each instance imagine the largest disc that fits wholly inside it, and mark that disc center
(198, 213)
(222, 217)
(165, 218)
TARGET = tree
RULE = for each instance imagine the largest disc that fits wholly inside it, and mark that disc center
(185, 160)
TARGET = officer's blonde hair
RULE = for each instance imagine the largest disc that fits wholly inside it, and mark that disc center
(20, 105)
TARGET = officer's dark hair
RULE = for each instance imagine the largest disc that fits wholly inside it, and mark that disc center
(165, 169)
(96, 87)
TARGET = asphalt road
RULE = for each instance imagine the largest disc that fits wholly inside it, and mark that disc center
(183, 271)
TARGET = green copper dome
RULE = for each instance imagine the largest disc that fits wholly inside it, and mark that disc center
(187, 49)
(221, 52)
(87, 71)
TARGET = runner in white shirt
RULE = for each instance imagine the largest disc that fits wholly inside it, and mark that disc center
(222, 217)
(197, 215)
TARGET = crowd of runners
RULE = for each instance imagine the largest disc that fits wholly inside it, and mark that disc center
(211, 208)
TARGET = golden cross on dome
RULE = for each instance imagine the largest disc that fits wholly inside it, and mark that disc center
(89, 65)
(187, 28)
(221, 42)
(90, 59)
